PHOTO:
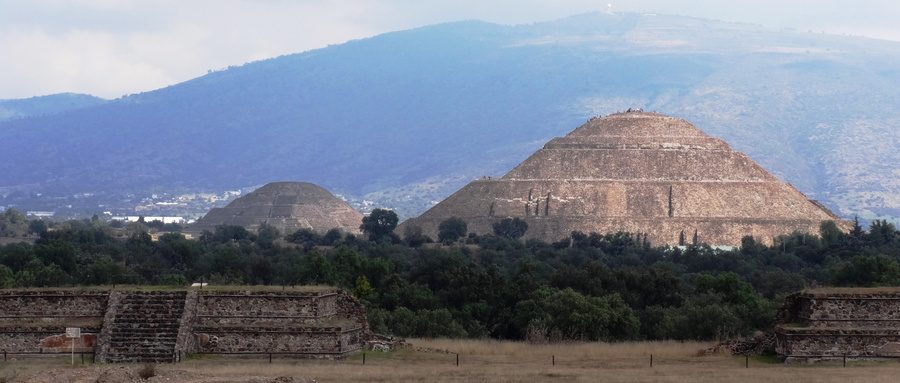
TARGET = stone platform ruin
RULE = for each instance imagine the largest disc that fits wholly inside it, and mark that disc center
(834, 323)
(643, 173)
(165, 326)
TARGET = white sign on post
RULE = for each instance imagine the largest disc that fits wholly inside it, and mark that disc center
(73, 332)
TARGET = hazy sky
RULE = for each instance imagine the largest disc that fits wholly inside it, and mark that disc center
(110, 48)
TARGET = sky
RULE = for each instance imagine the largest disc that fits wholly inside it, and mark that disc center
(111, 48)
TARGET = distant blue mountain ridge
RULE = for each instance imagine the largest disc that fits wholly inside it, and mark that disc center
(406, 118)
(44, 105)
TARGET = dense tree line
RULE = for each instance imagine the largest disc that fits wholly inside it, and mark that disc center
(589, 286)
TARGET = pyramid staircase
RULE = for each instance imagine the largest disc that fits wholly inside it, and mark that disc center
(145, 329)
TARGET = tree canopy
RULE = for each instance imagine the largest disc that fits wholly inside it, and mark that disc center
(452, 229)
(379, 223)
(589, 286)
(512, 228)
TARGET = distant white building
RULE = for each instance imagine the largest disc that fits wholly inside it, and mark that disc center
(135, 218)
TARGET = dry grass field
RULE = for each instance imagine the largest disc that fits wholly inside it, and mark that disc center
(483, 361)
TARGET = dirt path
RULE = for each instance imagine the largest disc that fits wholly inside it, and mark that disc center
(126, 374)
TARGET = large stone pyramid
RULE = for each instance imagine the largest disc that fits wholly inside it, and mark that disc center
(289, 206)
(643, 173)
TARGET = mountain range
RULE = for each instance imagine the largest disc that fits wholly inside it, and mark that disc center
(404, 119)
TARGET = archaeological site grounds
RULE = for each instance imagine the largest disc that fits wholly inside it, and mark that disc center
(634, 248)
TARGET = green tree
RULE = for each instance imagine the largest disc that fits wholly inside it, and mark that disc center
(37, 227)
(511, 228)
(332, 237)
(178, 251)
(363, 289)
(316, 269)
(348, 265)
(452, 229)
(865, 271)
(7, 277)
(703, 317)
(227, 233)
(12, 223)
(829, 233)
(413, 236)
(379, 223)
(854, 239)
(266, 235)
(569, 315)
(881, 232)
(305, 236)
(58, 252)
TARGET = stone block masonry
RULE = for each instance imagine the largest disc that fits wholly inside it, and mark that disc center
(164, 326)
(642, 173)
(836, 323)
(35, 321)
(328, 323)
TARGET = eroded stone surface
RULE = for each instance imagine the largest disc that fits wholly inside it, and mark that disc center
(637, 172)
(161, 326)
(289, 206)
(856, 323)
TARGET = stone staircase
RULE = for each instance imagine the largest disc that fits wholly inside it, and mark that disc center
(145, 328)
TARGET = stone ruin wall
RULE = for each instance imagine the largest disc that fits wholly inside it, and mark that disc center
(338, 341)
(552, 209)
(835, 325)
(851, 311)
(320, 324)
(264, 308)
(36, 321)
(328, 323)
(810, 346)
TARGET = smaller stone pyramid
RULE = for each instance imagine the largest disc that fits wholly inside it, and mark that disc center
(644, 173)
(289, 206)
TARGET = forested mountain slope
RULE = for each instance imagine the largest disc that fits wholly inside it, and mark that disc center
(406, 118)
(44, 105)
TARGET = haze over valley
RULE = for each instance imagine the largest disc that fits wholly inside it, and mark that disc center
(402, 120)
